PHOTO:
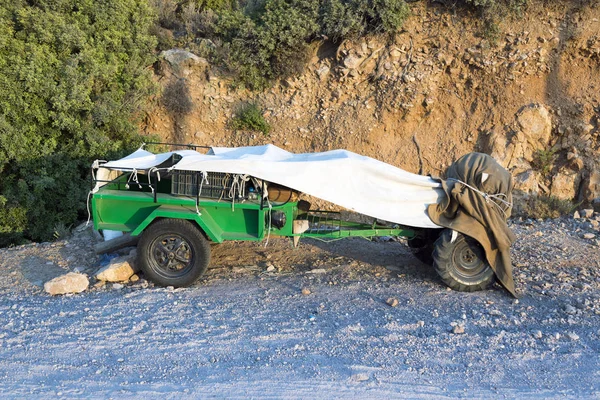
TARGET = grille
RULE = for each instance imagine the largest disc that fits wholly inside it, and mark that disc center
(187, 183)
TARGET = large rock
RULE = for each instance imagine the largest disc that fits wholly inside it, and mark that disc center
(184, 62)
(119, 269)
(180, 56)
(73, 282)
(591, 187)
(535, 123)
(564, 185)
(527, 182)
(495, 145)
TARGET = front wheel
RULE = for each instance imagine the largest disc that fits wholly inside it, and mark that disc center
(173, 252)
(461, 263)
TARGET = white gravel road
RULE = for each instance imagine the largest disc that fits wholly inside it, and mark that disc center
(243, 332)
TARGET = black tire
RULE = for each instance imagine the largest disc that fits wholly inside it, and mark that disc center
(422, 244)
(173, 252)
(462, 264)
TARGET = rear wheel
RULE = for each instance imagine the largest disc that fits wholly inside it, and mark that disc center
(461, 263)
(173, 252)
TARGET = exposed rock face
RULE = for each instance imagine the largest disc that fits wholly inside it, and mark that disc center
(72, 282)
(434, 83)
(120, 269)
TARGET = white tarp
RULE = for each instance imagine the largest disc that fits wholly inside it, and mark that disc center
(356, 182)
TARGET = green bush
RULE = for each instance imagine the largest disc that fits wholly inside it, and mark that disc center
(545, 207)
(250, 118)
(265, 40)
(492, 12)
(73, 77)
(543, 161)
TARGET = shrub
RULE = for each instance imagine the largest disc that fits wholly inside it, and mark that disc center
(73, 77)
(543, 160)
(176, 98)
(492, 11)
(268, 42)
(545, 207)
(269, 39)
(250, 117)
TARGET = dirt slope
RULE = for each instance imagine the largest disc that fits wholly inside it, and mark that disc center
(421, 99)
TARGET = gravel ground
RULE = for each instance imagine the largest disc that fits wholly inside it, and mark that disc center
(248, 330)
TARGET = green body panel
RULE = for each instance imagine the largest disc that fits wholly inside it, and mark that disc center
(132, 211)
(132, 208)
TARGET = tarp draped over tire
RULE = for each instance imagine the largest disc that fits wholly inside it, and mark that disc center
(478, 202)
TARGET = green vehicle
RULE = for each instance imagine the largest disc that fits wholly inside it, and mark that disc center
(174, 215)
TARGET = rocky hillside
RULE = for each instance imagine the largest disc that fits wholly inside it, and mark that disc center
(420, 99)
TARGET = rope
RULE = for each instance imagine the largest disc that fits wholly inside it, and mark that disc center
(202, 180)
(134, 177)
(87, 203)
(269, 218)
(239, 182)
(489, 198)
(234, 184)
(150, 171)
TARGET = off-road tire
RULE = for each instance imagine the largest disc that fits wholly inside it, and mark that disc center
(422, 245)
(173, 252)
(462, 264)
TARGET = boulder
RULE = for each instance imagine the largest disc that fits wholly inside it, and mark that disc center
(184, 62)
(73, 282)
(494, 144)
(119, 269)
(564, 185)
(591, 187)
(180, 56)
(535, 123)
(527, 182)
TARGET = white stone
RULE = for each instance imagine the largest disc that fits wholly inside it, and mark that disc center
(119, 269)
(72, 282)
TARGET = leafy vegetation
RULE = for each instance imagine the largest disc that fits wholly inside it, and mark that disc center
(543, 160)
(250, 117)
(73, 75)
(262, 40)
(492, 11)
(546, 207)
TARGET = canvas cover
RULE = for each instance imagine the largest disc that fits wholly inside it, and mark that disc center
(477, 203)
(356, 182)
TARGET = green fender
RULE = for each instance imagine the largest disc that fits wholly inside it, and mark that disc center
(204, 221)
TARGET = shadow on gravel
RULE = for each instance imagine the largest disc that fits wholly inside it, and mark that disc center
(393, 256)
(36, 270)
